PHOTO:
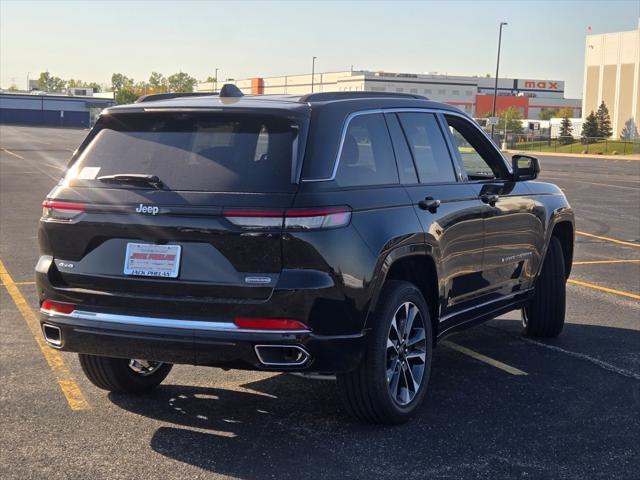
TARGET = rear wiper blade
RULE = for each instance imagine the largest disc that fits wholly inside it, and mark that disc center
(133, 178)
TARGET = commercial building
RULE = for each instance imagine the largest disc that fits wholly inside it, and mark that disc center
(474, 95)
(612, 76)
(50, 110)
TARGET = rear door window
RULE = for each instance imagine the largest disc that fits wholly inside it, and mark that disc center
(193, 152)
(366, 156)
(428, 147)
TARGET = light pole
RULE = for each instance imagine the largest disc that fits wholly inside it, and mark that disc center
(28, 89)
(215, 80)
(495, 86)
(313, 71)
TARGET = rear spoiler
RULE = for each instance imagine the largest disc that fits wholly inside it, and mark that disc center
(167, 96)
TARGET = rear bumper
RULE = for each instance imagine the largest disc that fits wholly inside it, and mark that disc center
(198, 342)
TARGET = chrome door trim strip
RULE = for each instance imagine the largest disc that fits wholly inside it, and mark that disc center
(358, 113)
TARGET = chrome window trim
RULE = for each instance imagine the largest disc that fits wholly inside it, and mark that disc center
(374, 111)
(210, 326)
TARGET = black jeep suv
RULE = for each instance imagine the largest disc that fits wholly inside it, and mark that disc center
(340, 233)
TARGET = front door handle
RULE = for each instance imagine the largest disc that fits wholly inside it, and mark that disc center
(429, 203)
(490, 199)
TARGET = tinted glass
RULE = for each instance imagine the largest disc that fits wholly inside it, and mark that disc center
(428, 147)
(475, 151)
(220, 152)
(403, 156)
(367, 157)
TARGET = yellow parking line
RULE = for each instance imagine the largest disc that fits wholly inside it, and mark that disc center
(24, 283)
(604, 289)
(484, 358)
(602, 262)
(61, 372)
(608, 239)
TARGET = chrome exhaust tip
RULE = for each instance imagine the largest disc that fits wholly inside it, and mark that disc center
(281, 355)
(52, 335)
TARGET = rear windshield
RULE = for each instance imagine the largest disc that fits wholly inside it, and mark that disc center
(192, 151)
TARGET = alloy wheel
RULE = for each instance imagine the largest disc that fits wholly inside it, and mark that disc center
(406, 353)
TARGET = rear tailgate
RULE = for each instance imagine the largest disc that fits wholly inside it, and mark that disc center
(183, 238)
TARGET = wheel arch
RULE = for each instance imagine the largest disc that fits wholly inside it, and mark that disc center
(418, 267)
(564, 232)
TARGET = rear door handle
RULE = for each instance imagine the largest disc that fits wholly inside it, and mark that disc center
(491, 199)
(429, 203)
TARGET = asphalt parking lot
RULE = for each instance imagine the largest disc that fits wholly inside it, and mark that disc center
(499, 405)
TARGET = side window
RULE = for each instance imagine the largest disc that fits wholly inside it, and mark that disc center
(428, 147)
(479, 157)
(366, 157)
(406, 167)
(262, 145)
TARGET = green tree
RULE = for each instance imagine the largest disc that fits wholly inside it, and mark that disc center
(565, 112)
(565, 137)
(547, 114)
(629, 131)
(120, 81)
(589, 128)
(48, 83)
(95, 85)
(158, 82)
(604, 121)
(512, 116)
(181, 83)
(13, 87)
(125, 95)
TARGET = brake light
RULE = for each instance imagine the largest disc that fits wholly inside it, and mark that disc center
(255, 218)
(292, 219)
(255, 323)
(61, 211)
(310, 219)
(50, 306)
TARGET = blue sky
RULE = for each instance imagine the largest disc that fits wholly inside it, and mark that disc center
(92, 39)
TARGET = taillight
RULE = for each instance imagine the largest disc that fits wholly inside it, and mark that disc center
(255, 323)
(292, 219)
(310, 219)
(50, 306)
(61, 211)
(255, 218)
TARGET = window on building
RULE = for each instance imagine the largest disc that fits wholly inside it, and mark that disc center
(442, 92)
(455, 92)
(468, 93)
(366, 157)
(414, 90)
(428, 91)
(428, 147)
(378, 89)
(400, 90)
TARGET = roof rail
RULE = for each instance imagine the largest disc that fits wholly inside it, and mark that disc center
(167, 96)
(328, 96)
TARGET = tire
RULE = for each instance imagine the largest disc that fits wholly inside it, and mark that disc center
(116, 374)
(366, 392)
(544, 314)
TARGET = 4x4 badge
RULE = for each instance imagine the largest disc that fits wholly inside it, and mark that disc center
(150, 209)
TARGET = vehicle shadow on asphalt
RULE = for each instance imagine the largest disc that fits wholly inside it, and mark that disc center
(477, 420)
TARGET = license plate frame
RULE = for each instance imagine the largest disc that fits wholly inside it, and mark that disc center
(151, 260)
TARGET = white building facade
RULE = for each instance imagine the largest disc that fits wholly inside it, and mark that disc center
(612, 76)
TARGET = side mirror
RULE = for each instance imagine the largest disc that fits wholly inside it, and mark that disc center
(525, 167)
